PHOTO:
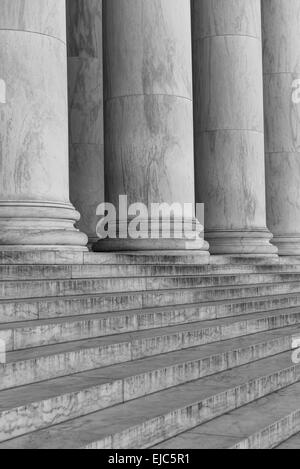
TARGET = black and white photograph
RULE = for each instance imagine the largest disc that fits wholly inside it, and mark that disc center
(149, 227)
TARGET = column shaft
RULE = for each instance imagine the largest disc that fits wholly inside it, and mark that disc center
(228, 115)
(85, 79)
(148, 109)
(281, 58)
(35, 211)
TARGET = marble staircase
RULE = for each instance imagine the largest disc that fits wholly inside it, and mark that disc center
(141, 351)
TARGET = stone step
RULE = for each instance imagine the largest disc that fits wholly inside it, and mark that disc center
(292, 443)
(148, 420)
(41, 363)
(112, 258)
(55, 272)
(39, 405)
(49, 288)
(42, 308)
(39, 333)
(125, 258)
(140, 270)
(263, 424)
(54, 330)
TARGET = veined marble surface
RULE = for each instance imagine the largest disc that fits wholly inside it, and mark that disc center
(228, 121)
(148, 47)
(85, 80)
(150, 152)
(148, 101)
(33, 134)
(228, 84)
(35, 210)
(226, 17)
(84, 27)
(281, 58)
(281, 35)
(232, 158)
(38, 16)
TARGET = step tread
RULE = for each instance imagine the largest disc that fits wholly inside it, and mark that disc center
(231, 429)
(102, 316)
(35, 352)
(94, 427)
(44, 390)
(292, 443)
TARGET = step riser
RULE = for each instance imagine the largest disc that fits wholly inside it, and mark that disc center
(155, 431)
(43, 309)
(164, 298)
(28, 337)
(132, 258)
(218, 281)
(18, 422)
(169, 270)
(35, 272)
(40, 289)
(126, 294)
(38, 415)
(32, 272)
(54, 366)
(70, 362)
(34, 289)
(166, 344)
(140, 320)
(272, 436)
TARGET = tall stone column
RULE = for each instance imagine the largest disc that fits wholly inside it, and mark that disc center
(281, 58)
(229, 130)
(148, 111)
(35, 211)
(85, 79)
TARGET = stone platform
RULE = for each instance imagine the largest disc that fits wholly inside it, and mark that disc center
(137, 351)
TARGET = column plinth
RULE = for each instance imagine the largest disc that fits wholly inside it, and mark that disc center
(35, 211)
(31, 226)
(148, 109)
(281, 60)
(229, 130)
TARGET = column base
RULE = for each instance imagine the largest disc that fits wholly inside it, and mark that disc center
(38, 226)
(241, 243)
(287, 245)
(151, 245)
(161, 235)
(46, 248)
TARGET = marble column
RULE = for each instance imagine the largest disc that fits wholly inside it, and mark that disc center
(148, 112)
(229, 130)
(281, 58)
(35, 211)
(85, 79)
